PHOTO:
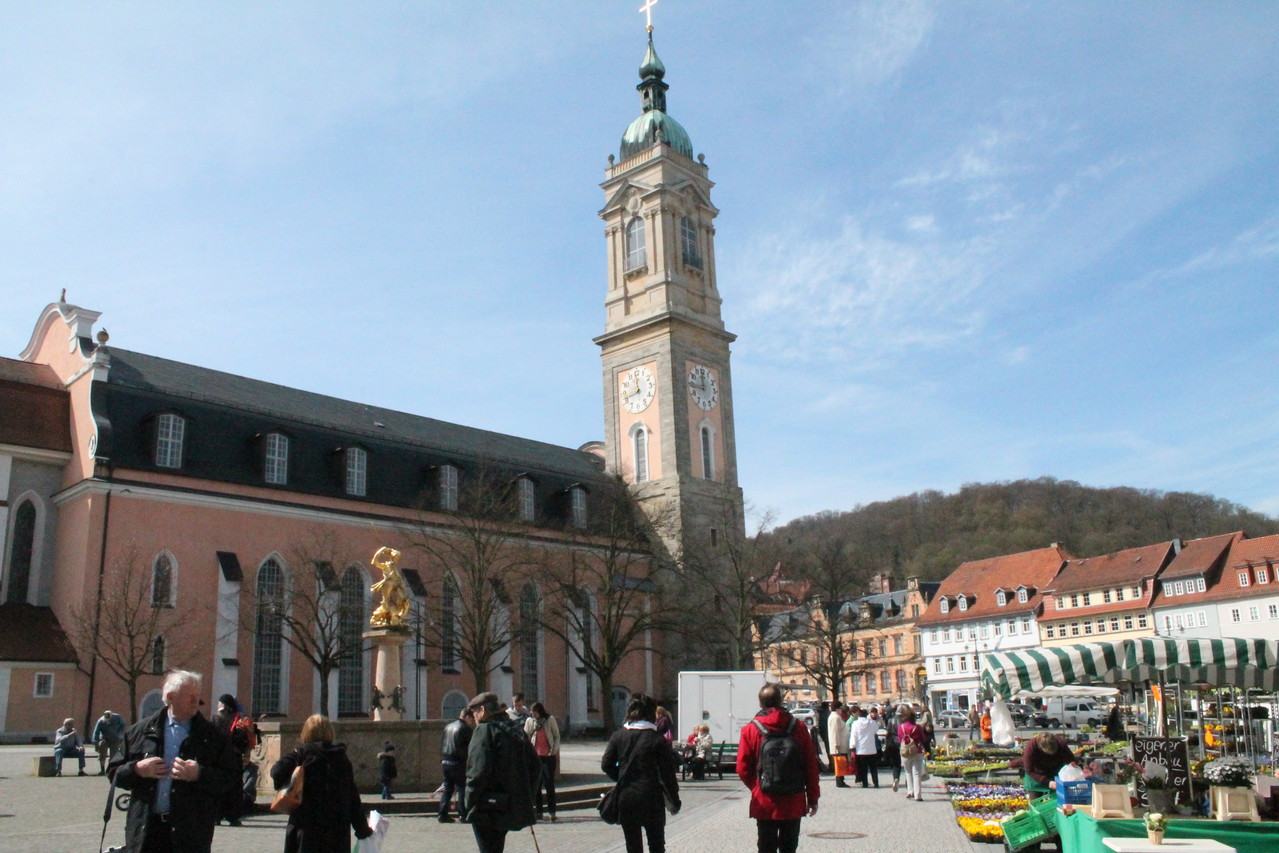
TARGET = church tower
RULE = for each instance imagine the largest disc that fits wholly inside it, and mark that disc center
(668, 399)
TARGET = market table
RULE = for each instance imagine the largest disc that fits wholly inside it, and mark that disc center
(1082, 833)
(1180, 845)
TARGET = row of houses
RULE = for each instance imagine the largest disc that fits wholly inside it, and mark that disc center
(925, 642)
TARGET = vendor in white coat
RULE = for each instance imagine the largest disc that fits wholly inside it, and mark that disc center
(862, 733)
(837, 731)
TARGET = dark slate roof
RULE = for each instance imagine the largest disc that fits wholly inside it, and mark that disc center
(32, 634)
(36, 407)
(176, 380)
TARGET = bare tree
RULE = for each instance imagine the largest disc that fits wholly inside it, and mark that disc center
(130, 626)
(480, 554)
(308, 611)
(604, 600)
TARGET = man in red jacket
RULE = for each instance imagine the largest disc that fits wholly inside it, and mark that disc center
(777, 815)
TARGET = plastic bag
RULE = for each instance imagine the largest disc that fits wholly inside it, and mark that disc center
(1002, 729)
(1070, 773)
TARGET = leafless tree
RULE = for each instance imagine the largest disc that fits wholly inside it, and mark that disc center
(130, 626)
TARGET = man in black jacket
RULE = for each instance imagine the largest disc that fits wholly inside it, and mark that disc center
(502, 772)
(454, 744)
(178, 766)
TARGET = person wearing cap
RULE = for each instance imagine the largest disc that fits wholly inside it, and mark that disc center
(67, 741)
(502, 772)
(239, 733)
(108, 737)
(455, 742)
(387, 769)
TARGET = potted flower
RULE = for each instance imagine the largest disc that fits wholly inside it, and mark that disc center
(1230, 781)
(1156, 826)
(1154, 778)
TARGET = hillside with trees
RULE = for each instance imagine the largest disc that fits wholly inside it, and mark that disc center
(928, 534)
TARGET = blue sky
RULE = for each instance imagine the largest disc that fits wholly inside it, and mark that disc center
(959, 242)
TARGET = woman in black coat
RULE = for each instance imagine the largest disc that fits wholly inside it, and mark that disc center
(643, 765)
(330, 803)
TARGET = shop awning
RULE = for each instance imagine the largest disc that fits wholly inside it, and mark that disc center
(1219, 663)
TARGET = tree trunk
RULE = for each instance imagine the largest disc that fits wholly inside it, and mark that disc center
(606, 691)
(133, 700)
(325, 671)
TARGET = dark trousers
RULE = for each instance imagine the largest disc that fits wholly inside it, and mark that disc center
(159, 836)
(548, 782)
(656, 833)
(868, 762)
(777, 836)
(489, 839)
(454, 780)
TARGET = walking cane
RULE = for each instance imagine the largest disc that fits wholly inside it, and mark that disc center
(536, 846)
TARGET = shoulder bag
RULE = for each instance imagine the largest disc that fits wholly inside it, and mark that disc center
(289, 798)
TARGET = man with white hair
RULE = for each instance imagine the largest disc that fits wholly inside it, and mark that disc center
(178, 766)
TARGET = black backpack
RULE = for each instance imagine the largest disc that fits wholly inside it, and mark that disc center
(781, 761)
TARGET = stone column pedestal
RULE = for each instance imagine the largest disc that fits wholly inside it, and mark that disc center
(387, 679)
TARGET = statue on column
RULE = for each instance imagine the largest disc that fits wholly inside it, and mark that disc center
(394, 609)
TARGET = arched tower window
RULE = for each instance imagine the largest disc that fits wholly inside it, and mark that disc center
(639, 447)
(20, 553)
(268, 646)
(352, 689)
(688, 243)
(157, 656)
(448, 625)
(636, 250)
(708, 453)
(530, 661)
(162, 581)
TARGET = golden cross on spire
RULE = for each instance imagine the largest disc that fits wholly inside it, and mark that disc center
(647, 9)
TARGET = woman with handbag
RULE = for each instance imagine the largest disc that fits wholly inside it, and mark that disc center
(544, 733)
(912, 740)
(330, 806)
(643, 765)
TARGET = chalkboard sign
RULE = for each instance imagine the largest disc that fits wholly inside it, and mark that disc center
(1172, 753)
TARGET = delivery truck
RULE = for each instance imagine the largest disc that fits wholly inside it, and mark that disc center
(725, 701)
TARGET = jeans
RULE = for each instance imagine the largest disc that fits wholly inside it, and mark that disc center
(914, 767)
(656, 833)
(454, 780)
(548, 781)
(489, 839)
(777, 836)
(58, 755)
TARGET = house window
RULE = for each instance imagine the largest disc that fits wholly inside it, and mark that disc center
(43, 686)
(1023, 595)
(1203, 617)
(1274, 614)
(1012, 626)
(937, 666)
(530, 662)
(162, 581)
(936, 635)
(963, 602)
(277, 458)
(1114, 623)
(1087, 599)
(21, 553)
(1200, 584)
(885, 681)
(1074, 600)
(1074, 629)
(635, 249)
(157, 656)
(525, 488)
(1243, 578)
(1119, 595)
(1141, 620)
(357, 471)
(914, 611)
(897, 645)
(1128, 622)
(688, 243)
(1105, 596)
(945, 606)
(708, 454)
(577, 501)
(945, 635)
(1001, 597)
(1168, 587)
(268, 646)
(950, 663)
(1180, 622)
(1025, 625)
(1179, 588)
(351, 621)
(963, 663)
(448, 488)
(639, 439)
(169, 433)
(985, 631)
(448, 625)
(901, 681)
(1234, 615)
(1088, 627)
(1263, 576)
(1136, 591)
(998, 628)
(1254, 613)
(883, 648)
(1049, 631)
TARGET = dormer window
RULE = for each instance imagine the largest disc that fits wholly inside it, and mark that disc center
(636, 251)
(276, 459)
(1001, 597)
(945, 605)
(357, 471)
(963, 602)
(1243, 578)
(1023, 595)
(1263, 576)
(577, 507)
(170, 433)
(525, 493)
(448, 487)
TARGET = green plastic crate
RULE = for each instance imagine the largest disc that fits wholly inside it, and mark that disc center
(1046, 808)
(1022, 830)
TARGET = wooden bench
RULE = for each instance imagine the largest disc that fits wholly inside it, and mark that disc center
(721, 754)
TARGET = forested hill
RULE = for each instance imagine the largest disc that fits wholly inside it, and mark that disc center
(929, 534)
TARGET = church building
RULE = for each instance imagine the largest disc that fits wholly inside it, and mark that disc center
(166, 514)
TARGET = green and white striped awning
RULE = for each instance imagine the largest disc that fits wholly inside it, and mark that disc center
(1233, 662)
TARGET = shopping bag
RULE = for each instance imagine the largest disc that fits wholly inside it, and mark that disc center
(289, 798)
(841, 765)
(373, 844)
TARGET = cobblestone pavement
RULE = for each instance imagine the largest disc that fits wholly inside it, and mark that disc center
(45, 815)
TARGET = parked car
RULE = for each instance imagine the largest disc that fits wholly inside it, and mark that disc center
(1021, 712)
(1073, 713)
(952, 720)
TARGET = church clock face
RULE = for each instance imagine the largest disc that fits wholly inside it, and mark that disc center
(638, 388)
(702, 387)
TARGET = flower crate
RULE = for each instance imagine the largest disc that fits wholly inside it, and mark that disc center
(1023, 829)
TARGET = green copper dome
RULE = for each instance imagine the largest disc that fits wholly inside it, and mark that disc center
(654, 125)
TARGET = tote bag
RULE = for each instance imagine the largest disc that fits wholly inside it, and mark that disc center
(289, 798)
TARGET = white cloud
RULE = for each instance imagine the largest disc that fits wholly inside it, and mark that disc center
(867, 47)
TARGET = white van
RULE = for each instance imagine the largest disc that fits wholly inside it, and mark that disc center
(1074, 713)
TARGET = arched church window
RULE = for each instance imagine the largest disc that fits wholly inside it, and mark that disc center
(448, 625)
(268, 646)
(530, 663)
(157, 656)
(639, 438)
(351, 620)
(162, 581)
(636, 253)
(688, 243)
(708, 454)
(20, 553)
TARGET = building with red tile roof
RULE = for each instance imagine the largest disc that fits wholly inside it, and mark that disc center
(1106, 597)
(1230, 590)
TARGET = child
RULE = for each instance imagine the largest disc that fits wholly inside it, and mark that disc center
(386, 761)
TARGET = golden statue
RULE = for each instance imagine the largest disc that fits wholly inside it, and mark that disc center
(394, 609)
